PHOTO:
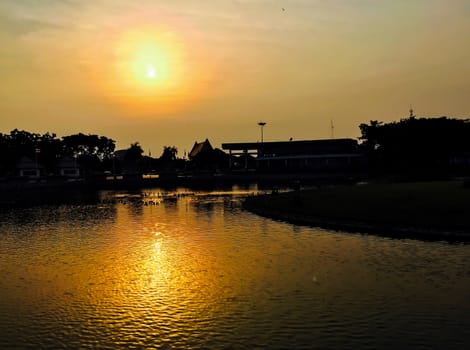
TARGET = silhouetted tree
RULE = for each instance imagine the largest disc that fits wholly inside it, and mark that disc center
(49, 150)
(169, 153)
(131, 159)
(4, 154)
(23, 143)
(17, 144)
(415, 145)
(90, 150)
(89, 145)
(168, 160)
(134, 153)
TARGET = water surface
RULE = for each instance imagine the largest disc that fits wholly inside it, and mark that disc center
(191, 269)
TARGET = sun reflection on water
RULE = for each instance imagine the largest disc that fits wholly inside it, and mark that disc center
(197, 272)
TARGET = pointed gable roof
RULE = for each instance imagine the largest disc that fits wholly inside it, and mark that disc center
(200, 147)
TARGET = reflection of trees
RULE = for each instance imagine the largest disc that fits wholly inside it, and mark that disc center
(68, 216)
(206, 207)
(135, 206)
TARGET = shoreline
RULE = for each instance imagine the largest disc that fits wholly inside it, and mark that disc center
(399, 232)
(263, 206)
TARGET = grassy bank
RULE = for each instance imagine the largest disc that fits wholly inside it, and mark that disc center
(427, 210)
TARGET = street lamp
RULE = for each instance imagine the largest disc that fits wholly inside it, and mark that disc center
(261, 124)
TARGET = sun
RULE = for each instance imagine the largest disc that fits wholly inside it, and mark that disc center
(149, 62)
(151, 73)
(152, 62)
(152, 70)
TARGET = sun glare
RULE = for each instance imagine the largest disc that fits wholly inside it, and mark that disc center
(151, 74)
(149, 67)
(153, 70)
(143, 54)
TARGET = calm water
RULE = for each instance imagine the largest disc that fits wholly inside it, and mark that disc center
(195, 271)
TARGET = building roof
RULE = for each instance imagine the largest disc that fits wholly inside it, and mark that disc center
(200, 147)
(303, 147)
(27, 163)
(67, 162)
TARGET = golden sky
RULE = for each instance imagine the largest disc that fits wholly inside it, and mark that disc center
(173, 72)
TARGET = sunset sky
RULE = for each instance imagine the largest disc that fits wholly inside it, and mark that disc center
(173, 72)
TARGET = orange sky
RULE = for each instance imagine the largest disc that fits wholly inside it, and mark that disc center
(172, 72)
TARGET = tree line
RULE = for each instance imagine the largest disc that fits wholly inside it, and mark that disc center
(92, 151)
(414, 146)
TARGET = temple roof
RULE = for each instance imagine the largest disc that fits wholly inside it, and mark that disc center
(200, 147)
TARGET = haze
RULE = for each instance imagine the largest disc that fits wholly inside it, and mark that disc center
(172, 72)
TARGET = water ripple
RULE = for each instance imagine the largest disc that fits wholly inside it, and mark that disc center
(197, 271)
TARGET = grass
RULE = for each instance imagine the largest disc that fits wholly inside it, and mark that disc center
(422, 206)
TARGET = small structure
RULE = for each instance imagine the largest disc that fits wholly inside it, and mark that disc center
(200, 148)
(120, 155)
(68, 167)
(28, 168)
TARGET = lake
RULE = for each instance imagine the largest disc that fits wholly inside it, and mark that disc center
(189, 269)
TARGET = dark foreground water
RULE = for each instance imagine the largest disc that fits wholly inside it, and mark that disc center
(195, 271)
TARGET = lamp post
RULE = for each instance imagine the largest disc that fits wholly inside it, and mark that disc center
(261, 124)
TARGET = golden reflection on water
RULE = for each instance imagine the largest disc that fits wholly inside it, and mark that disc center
(197, 269)
(175, 271)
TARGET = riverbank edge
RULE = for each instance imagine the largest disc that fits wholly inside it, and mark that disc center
(252, 204)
